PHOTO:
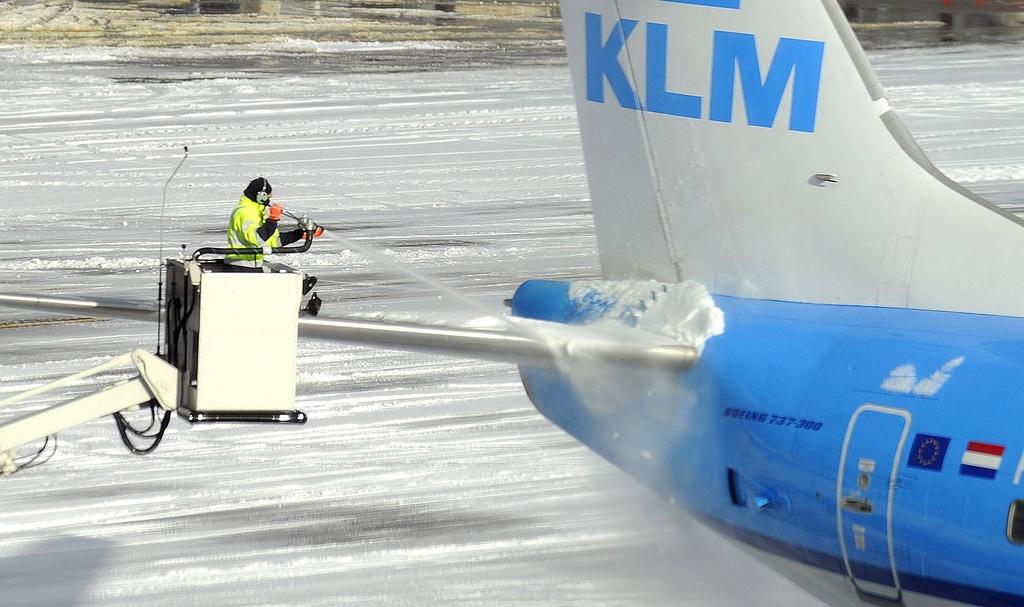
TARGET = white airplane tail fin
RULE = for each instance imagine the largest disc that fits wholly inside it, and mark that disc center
(747, 145)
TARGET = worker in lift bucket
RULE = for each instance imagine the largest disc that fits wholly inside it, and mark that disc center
(253, 225)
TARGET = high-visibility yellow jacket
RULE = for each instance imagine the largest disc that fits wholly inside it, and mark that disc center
(244, 232)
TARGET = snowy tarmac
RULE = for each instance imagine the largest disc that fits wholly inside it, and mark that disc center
(418, 480)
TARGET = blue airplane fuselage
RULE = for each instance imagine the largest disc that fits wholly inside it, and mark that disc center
(878, 449)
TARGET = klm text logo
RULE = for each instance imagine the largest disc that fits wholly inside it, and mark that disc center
(734, 57)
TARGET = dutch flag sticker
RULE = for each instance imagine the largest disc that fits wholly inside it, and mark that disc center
(982, 459)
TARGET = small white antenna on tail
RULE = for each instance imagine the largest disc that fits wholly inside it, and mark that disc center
(160, 257)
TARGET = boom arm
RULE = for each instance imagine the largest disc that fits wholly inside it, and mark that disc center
(537, 344)
(157, 380)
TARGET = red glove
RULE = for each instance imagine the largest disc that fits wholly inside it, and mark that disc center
(275, 212)
(317, 232)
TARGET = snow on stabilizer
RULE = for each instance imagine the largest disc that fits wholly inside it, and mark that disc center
(684, 312)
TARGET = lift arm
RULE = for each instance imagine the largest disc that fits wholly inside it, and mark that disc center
(157, 380)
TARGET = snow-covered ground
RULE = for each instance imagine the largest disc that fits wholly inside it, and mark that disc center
(418, 480)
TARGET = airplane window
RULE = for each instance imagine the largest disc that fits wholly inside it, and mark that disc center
(1015, 528)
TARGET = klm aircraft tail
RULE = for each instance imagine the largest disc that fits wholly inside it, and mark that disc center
(747, 144)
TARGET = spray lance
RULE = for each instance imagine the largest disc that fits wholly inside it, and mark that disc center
(307, 225)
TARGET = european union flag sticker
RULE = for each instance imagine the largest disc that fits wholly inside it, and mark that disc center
(928, 452)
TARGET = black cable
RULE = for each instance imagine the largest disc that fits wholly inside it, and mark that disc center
(179, 331)
(173, 308)
(124, 427)
(141, 433)
(36, 454)
(180, 310)
(181, 316)
(32, 463)
(183, 320)
(182, 335)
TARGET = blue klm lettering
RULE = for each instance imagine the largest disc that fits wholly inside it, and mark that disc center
(797, 61)
(659, 98)
(603, 62)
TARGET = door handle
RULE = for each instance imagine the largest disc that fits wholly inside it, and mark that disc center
(857, 504)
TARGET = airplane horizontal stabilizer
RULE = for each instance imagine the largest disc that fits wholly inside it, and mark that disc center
(103, 308)
(521, 341)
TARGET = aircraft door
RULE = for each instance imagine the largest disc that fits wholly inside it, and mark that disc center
(867, 476)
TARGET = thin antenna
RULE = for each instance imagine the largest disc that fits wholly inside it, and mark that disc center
(160, 257)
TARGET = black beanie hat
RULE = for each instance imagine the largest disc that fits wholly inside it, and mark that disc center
(255, 187)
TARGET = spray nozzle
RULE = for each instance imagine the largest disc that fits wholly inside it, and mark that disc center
(305, 223)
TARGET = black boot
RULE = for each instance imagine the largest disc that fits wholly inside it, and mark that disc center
(313, 305)
(307, 284)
